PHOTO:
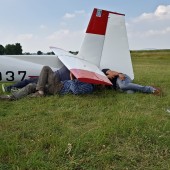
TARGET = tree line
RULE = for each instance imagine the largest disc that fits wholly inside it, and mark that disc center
(16, 49)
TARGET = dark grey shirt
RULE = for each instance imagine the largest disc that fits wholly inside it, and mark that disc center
(63, 73)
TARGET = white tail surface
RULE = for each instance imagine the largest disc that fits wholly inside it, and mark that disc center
(106, 44)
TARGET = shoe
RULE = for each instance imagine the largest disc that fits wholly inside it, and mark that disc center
(157, 91)
(7, 97)
(4, 89)
(36, 94)
(14, 89)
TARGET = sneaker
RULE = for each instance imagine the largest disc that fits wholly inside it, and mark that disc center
(37, 94)
(14, 89)
(168, 110)
(7, 97)
(6, 88)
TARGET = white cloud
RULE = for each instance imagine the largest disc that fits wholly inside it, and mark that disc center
(165, 31)
(162, 12)
(74, 14)
(150, 29)
(149, 33)
(68, 16)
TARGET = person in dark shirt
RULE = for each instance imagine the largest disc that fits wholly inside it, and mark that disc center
(49, 82)
(124, 83)
(64, 74)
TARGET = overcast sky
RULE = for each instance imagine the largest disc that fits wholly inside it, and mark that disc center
(38, 24)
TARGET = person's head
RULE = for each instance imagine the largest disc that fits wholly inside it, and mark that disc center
(108, 73)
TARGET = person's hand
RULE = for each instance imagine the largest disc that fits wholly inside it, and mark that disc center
(121, 76)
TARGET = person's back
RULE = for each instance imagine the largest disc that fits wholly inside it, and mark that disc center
(64, 73)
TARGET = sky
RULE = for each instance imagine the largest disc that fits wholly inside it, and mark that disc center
(39, 24)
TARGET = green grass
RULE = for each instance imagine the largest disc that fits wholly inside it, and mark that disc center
(103, 131)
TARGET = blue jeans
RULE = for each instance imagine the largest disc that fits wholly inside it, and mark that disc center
(127, 85)
(22, 83)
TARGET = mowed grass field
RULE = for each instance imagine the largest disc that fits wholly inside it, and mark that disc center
(107, 130)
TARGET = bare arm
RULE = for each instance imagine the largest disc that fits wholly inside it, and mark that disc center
(112, 74)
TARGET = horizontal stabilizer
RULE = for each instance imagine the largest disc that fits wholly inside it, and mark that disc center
(81, 69)
(84, 71)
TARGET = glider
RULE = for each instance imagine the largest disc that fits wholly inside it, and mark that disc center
(105, 45)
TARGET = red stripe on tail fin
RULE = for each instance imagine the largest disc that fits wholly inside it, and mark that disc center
(98, 21)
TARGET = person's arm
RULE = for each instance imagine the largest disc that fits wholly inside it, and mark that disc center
(111, 74)
(121, 76)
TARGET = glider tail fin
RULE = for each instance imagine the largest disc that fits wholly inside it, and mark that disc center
(92, 44)
(105, 43)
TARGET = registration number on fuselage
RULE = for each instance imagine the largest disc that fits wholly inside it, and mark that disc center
(11, 76)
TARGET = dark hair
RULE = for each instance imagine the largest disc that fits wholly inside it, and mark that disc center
(105, 70)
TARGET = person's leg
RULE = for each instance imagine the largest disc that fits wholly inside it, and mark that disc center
(128, 85)
(19, 84)
(28, 89)
(48, 81)
(46, 77)
(25, 82)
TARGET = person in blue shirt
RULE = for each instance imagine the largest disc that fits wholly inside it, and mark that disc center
(49, 82)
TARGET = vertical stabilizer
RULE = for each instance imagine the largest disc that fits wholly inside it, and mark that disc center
(105, 43)
(116, 54)
(92, 45)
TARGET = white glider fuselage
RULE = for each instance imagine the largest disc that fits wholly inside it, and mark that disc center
(18, 67)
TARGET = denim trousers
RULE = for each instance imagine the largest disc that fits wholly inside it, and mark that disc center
(127, 85)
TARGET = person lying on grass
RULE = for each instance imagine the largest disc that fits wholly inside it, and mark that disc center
(64, 74)
(49, 83)
(124, 83)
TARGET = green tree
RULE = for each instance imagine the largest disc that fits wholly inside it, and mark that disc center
(18, 49)
(50, 53)
(13, 49)
(27, 53)
(10, 49)
(2, 50)
(39, 53)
